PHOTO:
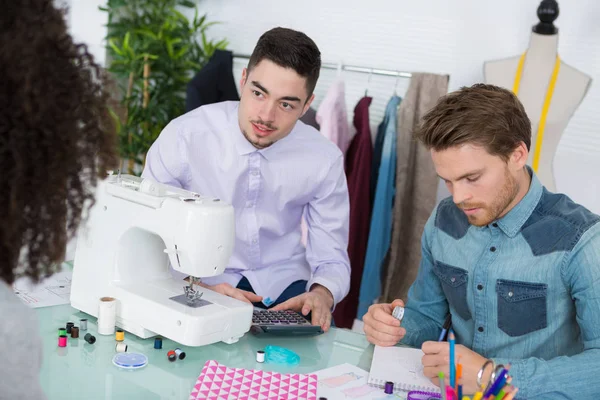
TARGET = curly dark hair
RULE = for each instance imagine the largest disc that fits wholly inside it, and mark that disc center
(56, 136)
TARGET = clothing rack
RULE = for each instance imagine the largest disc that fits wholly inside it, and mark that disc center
(351, 68)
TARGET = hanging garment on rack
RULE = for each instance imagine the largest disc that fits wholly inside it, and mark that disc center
(381, 218)
(310, 118)
(358, 174)
(333, 118)
(213, 83)
(377, 149)
(416, 186)
(333, 122)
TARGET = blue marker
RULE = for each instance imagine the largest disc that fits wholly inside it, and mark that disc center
(498, 383)
(451, 340)
(445, 328)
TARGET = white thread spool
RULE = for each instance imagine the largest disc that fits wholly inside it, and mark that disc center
(121, 347)
(398, 313)
(260, 356)
(107, 312)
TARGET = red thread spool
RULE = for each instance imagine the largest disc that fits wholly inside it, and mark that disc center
(62, 341)
(172, 356)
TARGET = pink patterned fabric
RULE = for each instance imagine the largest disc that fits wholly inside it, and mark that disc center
(218, 382)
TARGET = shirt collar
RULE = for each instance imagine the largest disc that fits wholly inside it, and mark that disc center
(512, 222)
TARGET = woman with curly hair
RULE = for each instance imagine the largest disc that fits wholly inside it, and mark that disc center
(56, 141)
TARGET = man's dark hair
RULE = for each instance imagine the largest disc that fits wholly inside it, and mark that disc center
(56, 136)
(289, 49)
(484, 115)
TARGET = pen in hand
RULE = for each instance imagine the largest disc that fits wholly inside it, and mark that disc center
(445, 328)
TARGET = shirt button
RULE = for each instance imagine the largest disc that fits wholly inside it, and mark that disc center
(495, 225)
(254, 241)
(510, 294)
(453, 279)
(480, 287)
(492, 249)
(480, 329)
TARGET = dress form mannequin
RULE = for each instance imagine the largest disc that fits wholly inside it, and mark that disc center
(539, 64)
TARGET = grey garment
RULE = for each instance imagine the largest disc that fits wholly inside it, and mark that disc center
(20, 349)
(416, 186)
(310, 118)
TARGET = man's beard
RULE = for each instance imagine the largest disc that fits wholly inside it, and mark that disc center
(258, 144)
(493, 211)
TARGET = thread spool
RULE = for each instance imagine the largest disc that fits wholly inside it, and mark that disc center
(158, 343)
(62, 341)
(389, 387)
(74, 332)
(121, 347)
(83, 324)
(398, 313)
(91, 339)
(119, 335)
(260, 356)
(69, 326)
(180, 354)
(62, 331)
(171, 355)
(107, 312)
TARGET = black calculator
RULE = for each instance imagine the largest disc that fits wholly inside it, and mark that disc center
(282, 323)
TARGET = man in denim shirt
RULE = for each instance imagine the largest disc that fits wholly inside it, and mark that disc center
(516, 266)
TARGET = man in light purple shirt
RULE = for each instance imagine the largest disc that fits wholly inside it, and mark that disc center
(257, 156)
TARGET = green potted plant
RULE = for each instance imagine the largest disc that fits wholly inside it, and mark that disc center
(153, 52)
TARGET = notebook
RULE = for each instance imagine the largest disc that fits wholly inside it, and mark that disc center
(401, 365)
(218, 382)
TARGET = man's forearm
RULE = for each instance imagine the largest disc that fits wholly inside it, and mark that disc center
(334, 277)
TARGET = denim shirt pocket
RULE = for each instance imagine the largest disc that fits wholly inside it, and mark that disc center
(454, 283)
(522, 307)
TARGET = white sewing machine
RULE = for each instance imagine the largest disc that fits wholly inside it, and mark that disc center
(123, 251)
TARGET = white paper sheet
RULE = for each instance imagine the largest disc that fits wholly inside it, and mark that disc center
(52, 291)
(347, 382)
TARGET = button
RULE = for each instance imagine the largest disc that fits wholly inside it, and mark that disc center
(492, 249)
(495, 225)
(453, 279)
(254, 241)
(255, 172)
(510, 294)
(480, 287)
(480, 329)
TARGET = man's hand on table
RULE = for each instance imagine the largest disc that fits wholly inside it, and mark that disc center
(318, 301)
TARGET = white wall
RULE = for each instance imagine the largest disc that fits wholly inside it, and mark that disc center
(439, 36)
(87, 25)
